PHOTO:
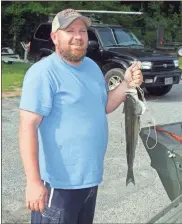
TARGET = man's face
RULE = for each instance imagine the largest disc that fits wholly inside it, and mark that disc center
(72, 42)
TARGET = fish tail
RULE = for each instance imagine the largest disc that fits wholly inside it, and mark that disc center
(130, 177)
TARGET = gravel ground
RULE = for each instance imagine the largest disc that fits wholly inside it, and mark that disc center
(116, 203)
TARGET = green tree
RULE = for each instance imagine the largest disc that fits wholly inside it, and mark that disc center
(20, 18)
(157, 15)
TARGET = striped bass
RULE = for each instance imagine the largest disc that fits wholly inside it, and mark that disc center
(134, 107)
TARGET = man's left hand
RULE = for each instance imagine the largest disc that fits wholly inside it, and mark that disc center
(133, 75)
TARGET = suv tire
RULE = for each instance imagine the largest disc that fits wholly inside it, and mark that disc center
(113, 77)
(159, 90)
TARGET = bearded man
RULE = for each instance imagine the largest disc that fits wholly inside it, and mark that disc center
(63, 131)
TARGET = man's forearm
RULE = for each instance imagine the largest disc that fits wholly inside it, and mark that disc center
(28, 143)
(116, 97)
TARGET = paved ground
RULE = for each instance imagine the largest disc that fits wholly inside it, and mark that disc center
(116, 202)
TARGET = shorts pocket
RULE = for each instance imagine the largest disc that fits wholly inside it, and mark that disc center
(52, 215)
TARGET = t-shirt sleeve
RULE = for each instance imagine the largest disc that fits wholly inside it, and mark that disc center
(37, 91)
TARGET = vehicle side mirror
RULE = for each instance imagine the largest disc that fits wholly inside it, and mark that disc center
(93, 45)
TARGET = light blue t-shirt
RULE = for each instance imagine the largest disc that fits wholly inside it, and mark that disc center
(73, 134)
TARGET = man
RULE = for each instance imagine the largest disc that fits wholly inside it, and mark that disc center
(63, 130)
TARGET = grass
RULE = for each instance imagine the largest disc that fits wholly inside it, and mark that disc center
(13, 75)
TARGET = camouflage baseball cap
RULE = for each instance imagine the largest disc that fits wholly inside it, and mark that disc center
(66, 17)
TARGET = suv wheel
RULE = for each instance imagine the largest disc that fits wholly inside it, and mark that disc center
(159, 90)
(114, 77)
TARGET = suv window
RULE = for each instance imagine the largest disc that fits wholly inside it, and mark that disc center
(107, 36)
(92, 35)
(43, 32)
(117, 37)
(125, 37)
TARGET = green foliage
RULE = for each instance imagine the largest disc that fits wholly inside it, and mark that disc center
(13, 75)
(155, 17)
(124, 20)
(20, 18)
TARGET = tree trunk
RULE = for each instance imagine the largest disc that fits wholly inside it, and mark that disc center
(14, 41)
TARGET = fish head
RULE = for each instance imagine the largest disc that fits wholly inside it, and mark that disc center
(136, 106)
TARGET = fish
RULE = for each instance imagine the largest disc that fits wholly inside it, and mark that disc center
(134, 107)
(173, 135)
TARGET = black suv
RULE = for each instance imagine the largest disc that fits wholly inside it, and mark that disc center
(114, 49)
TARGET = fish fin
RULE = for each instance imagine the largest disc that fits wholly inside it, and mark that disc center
(130, 177)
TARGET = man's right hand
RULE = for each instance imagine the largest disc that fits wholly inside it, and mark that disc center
(36, 196)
